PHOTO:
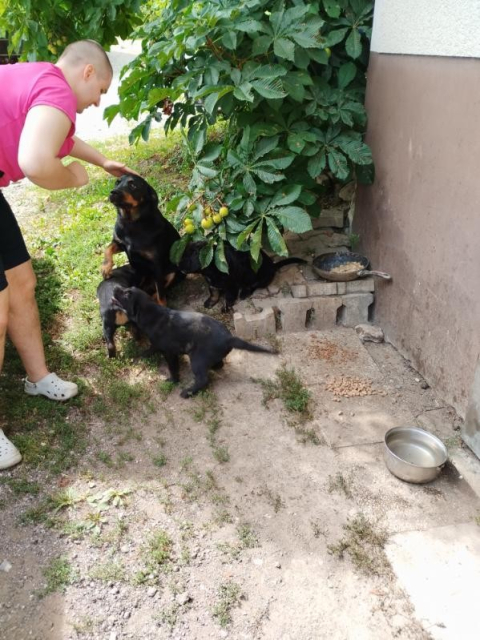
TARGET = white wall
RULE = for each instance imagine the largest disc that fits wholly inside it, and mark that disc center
(427, 27)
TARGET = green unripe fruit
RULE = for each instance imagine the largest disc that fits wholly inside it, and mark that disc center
(223, 211)
(217, 218)
(207, 223)
(189, 228)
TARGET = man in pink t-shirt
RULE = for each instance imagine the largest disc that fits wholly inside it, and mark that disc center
(38, 106)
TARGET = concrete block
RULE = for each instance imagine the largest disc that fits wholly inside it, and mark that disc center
(293, 313)
(320, 288)
(341, 288)
(250, 326)
(325, 312)
(299, 291)
(363, 285)
(332, 217)
(266, 303)
(355, 309)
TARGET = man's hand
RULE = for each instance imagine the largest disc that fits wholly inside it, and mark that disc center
(117, 169)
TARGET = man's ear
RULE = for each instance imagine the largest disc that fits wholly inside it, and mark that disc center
(88, 71)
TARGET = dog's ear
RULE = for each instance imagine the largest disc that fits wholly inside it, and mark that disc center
(152, 194)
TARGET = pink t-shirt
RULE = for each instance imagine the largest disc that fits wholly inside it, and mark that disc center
(22, 86)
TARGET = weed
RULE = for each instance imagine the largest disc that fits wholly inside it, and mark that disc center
(274, 499)
(229, 595)
(221, 454)
(20, 486)
(290, 389)
(158, 550)
(353, 240)
(364, 545)
(340, 484)
(248, 537)
(160, 460)
(59, 574)
(108, 571)
(319, 529)
(106, 458)
(166, 387)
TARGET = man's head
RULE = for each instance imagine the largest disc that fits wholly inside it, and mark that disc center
(87, 70)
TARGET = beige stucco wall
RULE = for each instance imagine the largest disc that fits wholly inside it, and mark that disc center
(421, 219)
(427, 27)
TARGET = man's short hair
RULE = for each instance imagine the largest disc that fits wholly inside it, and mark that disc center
(87, 52)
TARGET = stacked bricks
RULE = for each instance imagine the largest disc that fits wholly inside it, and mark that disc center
(311, 304)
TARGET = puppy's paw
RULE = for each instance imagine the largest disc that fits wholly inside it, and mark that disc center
(107, 270)
(186, 393)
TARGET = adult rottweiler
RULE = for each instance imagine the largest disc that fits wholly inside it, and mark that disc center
(143, 233)
(241, 279)
(173, 333)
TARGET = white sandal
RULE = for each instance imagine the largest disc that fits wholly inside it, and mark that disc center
(9, 454)
(52, 387)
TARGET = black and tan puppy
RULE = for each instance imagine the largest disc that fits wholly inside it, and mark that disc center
(143, 233)
(111, 317)
(241, 279)
(174, 333)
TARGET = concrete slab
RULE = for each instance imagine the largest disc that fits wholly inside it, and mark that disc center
(400, 506)
(440, 570)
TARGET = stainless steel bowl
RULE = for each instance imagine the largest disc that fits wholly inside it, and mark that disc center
(414, 455)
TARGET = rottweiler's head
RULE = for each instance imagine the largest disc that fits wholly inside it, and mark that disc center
(131, 194)
(129, 300)
(190, 260)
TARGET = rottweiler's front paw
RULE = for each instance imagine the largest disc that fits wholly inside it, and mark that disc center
(186, 393)
(209, 303)
(107, 270)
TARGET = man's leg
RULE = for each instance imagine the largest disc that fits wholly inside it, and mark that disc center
(3, 322)
(24, 322)
(25, 333)
(9, 454)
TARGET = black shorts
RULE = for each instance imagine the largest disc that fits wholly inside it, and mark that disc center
(13, 251)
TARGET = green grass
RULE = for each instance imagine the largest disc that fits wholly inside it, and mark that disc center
(58, 574)
(66, 239)
(229, 595)
(290, 389)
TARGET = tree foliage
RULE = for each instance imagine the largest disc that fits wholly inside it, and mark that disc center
(40, 29)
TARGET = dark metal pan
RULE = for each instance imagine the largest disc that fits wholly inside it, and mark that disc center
(326, 266)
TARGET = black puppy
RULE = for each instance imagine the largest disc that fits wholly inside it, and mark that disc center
(240, 281)
(143, 233)
(173, 333)
(111, 317)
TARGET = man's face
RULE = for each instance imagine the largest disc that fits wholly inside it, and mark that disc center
(94, 85)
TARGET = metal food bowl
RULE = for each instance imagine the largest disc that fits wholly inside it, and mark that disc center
(414, 455)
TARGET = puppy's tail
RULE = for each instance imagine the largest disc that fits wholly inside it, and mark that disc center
(283, 263)
(238, 343)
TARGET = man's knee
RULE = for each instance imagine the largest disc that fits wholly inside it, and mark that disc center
(3, 312)
(22, 283)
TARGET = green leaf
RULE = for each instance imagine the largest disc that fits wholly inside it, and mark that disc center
(294, 219)
(334, 37)
(269, 88)
(244, 92)
(332, 8)
(357, 151)
(245, 233)
(338, 164)
(157, 95)
(261, 45)
(296, 142)
(267, 176)
(317, 163)
(177, 249)
(270, 71)
(353, 45)
(206, 255)
(346, 74)
(256, 243)
(284, 48)
(213, 98)
(286, 195)
(206, 169)
(264, 146)
(249, 183)
(294, 87)
(277, 243)
(229, 40)
(276, 163)
(249, 26)
(220, 260)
